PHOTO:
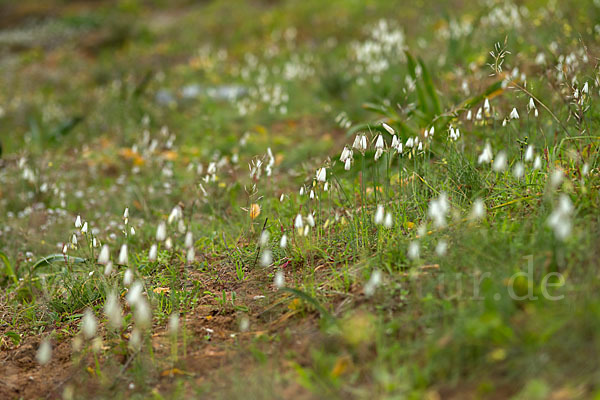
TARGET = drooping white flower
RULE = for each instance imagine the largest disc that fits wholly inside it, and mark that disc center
(312, 194)
(379, 143)
(486, 155)
(500, 162)
(74, 240)
(283, 241)
(438, 208)
(152, 254)
(478, 210)
(169, 243)
(264, 238)
(126, 213)
(441, 248)
(531, 105)
(191, 255)
(173, 326)
(469, 115)
(127, 277)
(44, 353)
(108, 268)
(537, 163)
(311, 220)
(78, 222)
(346, 154)
(175, 215)
(518, 170)
(266, 258)
(486, 106)
(84, 228)
(529, 153)
(373, 282)
(479, 115)
(388, 222)
(560, 219)
(298, 223)
(379, 215)
(89, 324)
(514, 114)
(556, 178)
(321, 175)
(378, 154)
(360, 142)
(326, 186)
(104, 255)
(161, 231)
(279, 280)
(388, 128)
(112, 309)
(413, 250)
(123, 256)
(348, 164)
(189, 240)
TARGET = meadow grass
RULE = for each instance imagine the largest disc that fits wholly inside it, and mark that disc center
(300, 199)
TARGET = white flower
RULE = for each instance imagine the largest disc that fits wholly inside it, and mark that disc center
(312, 194)
(127, 277)
(479, 114)
(379, 143)
(326, 186)
(395, 142)
(74, 240)
(486, 106)
(176, 214)
(413, 250)
(302, 191)
(537, 163)
(500, 162)
(441, 248)
(134, 294)
(518, 170)
(379, 215)
(378, 154)
(529, 153)
(191, 255)
(123, 257)
(348, 164)
(161, 231)
(89, 324)
(264, 238)
(531, 105)
(585, 88)
(360, 142)
(310, 219)
(104, 255)
(556, 178)
(321, 175)
(44, 353)
(112, 309)
(283, 241)
(84, 228)
(64, 249)
(388, 128)
(438, 208)
(409, 143)
(126, 213)
(132, 231)
(153, 252)
(387, 222)
(478, 210)
(78, 222)
(298, 223)
(108, 268)
(189, 240)
(560, 219)
(469, 115)
(266, 258)
(346, 154)
(173, 325)
(486, 155)
(374, 281)
(169, 243)
(514, 114)
(279, 280)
